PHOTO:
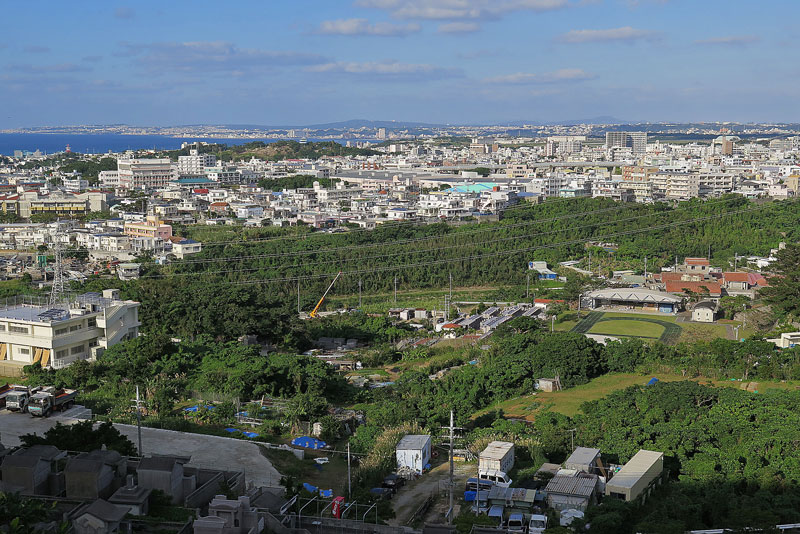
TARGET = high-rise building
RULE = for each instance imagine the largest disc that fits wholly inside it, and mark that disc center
(195, 163)
(381, 133)
(636, 141)
(144, 173)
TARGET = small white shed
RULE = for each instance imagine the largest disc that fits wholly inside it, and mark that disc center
(414, 452)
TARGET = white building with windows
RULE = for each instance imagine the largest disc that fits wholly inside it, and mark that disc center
(32, 332)
(195, 163)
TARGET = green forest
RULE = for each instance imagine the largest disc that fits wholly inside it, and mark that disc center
(246, 280)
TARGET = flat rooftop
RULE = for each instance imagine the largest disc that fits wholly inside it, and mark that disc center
(35, 314)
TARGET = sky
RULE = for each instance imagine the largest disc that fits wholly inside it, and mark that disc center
(278, 62)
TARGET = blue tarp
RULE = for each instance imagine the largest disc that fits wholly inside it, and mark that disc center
(196, 407)
(652, 381)
(313, 489)
(469, 496)
(309, 442)
(245, 433)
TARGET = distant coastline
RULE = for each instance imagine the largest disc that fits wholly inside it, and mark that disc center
(50, 143)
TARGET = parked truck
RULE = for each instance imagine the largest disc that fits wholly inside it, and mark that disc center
(497, 456)
(19, 397)
(494, 463)
(44, 402)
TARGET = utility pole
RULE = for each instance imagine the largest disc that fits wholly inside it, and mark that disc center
(452, 428)
(450, 508)
(395, 289)
(348, 470)
(451, 286)
(528, 286)
(572, 437)
(139, 420)
(552, 323)
(359, 292)
(590, 260)
(645, 268)
(298, 296)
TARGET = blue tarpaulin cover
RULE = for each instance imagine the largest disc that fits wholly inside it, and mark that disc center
(313, 489)
(196, 407)
(309, 442)
(652, 381)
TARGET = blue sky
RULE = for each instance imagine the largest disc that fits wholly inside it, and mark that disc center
(444, 61)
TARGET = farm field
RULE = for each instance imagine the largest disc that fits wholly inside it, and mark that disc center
(568, 401)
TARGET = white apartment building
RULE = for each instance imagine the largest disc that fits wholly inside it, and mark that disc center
(144, 173)
(31, 332)
(75, 184)
(109, 178)
(195, 163)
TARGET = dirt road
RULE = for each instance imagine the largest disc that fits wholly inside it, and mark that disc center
(414, 493)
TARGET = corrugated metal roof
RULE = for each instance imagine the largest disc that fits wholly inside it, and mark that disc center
(582, 456)
(566, 485)
(413, 442)
(637, 466)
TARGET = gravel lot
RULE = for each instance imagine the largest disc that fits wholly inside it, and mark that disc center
(206, 451)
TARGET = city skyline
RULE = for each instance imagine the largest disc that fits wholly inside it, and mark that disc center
(443, 61)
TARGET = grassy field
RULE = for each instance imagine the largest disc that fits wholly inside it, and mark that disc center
(622, 327)
(426, 298)
(332, 475)
(568, 401)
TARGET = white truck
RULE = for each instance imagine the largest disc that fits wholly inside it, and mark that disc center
(19, 397)
(494, 463)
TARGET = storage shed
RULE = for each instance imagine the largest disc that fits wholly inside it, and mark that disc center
(576, 492)
(414, 452)
(636, 476)
(583, 459)
(498, 455)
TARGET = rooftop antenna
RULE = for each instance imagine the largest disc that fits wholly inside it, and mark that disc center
(57, 290)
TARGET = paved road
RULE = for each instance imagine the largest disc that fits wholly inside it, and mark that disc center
(206, 451)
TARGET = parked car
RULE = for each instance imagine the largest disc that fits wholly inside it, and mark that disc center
(381, 493)
(516, 524)
(393, 482)
(473, 484)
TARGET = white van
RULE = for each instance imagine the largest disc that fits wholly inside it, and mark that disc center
(537, 524)
(498, 478)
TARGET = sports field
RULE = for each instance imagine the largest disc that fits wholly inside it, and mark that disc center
(662, 328)
(624, 327)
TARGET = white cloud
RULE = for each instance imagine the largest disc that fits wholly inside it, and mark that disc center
(389, 69)
(458, 27)
(561, 75)
(732, 40)
(40, 69)
(625, 33)
(459, 9)
(364, 27)
(213, 56)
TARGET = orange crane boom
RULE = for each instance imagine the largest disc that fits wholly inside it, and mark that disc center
(314, 311)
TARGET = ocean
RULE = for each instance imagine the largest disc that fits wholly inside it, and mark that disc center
(102, 143)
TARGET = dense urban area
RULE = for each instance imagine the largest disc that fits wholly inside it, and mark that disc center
(393, 329)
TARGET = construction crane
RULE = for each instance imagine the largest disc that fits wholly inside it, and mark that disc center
(316, 308)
